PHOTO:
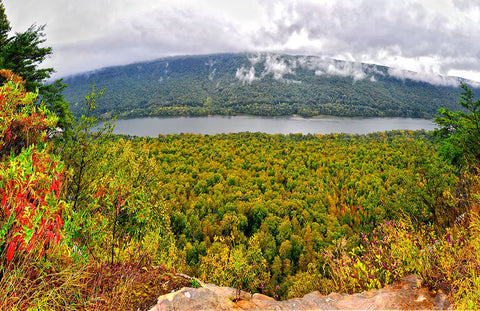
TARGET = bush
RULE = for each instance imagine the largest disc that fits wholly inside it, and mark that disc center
(449, 262)
(31, 179)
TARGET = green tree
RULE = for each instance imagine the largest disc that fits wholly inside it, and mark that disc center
(459, 131)
(459, 138)
(22, 54)
(82, 151)
(81, 154)
(4, 25)
(241, 267)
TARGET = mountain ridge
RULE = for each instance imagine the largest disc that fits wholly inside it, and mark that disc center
(262, 84)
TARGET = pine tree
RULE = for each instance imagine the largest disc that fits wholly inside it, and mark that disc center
(22, 54)
(4, 25)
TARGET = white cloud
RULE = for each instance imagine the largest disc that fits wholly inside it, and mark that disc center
(246, 75)
(346, 69)
(397, 30)
(211, 75)
(404, 34)
(423, 77)
(278, 66)
(328, 66)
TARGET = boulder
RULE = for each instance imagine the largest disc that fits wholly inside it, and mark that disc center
(407, 294)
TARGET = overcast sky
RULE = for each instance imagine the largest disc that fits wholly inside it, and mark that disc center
(431, 36)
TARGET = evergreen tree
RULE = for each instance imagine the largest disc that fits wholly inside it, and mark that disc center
(4, 25)
(22, 54)
(459, 131)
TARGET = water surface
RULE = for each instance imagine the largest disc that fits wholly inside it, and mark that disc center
(270, 125)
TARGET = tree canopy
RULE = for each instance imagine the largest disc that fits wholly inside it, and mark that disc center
(459, 131)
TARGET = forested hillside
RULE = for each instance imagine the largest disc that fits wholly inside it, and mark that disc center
(90, 219)
(262, 84)
(95, 221)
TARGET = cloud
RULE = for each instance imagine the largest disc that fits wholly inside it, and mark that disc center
(466, 5)
(378, 31)
(114, 36)
(431, 78)
(329, 66)
(254, 59)
(211, 75)
(278, 66)
(246, 75)
(435, 37)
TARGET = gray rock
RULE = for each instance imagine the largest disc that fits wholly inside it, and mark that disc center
(408, 294)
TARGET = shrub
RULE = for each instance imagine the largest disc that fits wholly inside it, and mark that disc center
(31, 179)
(447, 262)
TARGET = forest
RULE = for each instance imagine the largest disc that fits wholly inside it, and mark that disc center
(90, 220)
(220, 84)
(278, 214)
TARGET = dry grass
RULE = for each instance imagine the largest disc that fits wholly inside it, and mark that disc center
(63, 284)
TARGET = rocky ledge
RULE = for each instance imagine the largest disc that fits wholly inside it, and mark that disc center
(407, 294)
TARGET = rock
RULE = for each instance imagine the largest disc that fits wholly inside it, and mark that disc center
(194, 299)
(408, 294)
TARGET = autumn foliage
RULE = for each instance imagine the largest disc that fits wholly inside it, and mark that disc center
(31, 178)
(283, 215)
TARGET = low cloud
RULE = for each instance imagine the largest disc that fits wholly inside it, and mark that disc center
(380, 31)
(339, 68)
(423, 77)
(278, 66)
(400, 34)
(246, 75)
(211, 75)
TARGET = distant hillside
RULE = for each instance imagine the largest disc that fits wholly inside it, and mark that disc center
(262, 84)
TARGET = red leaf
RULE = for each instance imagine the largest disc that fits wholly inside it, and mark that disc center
(10, 251)
(8, 134)
(30, 246)
(57, 188)
(41, 253)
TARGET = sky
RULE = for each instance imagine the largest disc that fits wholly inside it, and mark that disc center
(427, 36)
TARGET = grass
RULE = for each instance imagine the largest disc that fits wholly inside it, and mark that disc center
(63, 284)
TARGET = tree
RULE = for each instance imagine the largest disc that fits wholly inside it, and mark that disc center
(22, 54)
(241, 267)
(459, 137)
(80, 153)
(459, 132)
(4, 25)
(53, 97)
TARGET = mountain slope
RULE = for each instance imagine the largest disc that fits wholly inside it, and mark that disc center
(261, 84)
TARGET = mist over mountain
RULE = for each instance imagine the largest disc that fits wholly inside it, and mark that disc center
(263, 84)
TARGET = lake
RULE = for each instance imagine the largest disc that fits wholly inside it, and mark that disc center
(271, 125)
